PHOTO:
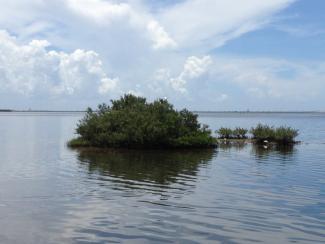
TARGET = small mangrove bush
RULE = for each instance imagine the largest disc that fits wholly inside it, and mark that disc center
(132, 122)
(227, 133)
(261, 133)
(224, 133)
(240, 133)
(281, 134)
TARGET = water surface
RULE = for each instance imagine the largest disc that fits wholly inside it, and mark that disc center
(242, 194)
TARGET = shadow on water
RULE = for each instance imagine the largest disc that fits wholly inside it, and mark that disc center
(159, 167)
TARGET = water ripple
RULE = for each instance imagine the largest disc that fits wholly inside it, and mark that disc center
(247, 194)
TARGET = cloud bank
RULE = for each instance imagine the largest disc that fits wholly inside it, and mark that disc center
(31, 69)
(101, 49)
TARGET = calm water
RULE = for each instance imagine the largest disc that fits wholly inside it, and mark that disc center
(243, 194)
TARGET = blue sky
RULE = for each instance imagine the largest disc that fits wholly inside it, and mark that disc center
(299, 34)
(200, 54)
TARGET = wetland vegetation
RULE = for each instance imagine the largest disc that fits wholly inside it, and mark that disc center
(260, 134)
(133, 122)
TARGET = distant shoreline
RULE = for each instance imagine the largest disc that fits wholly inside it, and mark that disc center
(197, 112)
(39, 111)
(211, 112)
(260, 112)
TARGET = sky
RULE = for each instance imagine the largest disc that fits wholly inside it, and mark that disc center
(211, 55)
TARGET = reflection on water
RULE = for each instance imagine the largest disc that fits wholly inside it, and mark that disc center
(262, 151)
(234, 194)
(162, 167)
(232, 146)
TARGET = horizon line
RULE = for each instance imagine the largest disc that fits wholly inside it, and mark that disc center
(194, 111)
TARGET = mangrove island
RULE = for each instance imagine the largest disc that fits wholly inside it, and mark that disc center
(133, 122)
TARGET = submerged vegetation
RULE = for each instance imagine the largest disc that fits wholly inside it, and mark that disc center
(261, 134)
(132, 122)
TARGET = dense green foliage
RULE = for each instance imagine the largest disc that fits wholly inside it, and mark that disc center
(280, 135)
(240, 133)
(224, 133)
(261, 133)
(133, 122)
(227, 133)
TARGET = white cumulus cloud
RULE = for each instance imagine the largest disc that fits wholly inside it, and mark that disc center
(98, 10)
(31, 68)
(106, 13)
(159, 36)
(194, 67)
(133, 39)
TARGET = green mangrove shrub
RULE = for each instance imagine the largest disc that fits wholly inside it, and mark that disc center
(285, 134)
(263, 132)
(133, 122)
(240, 133)
(225, 133)
(280, 135)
